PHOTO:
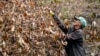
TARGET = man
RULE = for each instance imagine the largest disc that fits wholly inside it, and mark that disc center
(74, 35)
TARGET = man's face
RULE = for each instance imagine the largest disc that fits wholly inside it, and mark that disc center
(77, 24)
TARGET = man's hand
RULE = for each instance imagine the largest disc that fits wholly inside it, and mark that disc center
(51, 12)
(64, 42)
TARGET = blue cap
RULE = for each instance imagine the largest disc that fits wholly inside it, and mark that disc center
(83, 21)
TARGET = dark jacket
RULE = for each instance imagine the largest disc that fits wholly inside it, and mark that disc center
(75, 41)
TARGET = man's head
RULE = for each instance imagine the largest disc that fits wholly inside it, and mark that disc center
(79, 22)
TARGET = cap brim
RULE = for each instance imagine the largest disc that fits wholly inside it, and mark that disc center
(76, 18)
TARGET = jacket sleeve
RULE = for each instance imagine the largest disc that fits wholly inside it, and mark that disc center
(75, 36)
(60, 24)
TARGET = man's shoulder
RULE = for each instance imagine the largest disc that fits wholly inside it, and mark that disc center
(79, 31)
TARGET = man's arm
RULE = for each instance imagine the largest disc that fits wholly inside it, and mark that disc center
(60, 24)
(75, 36)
